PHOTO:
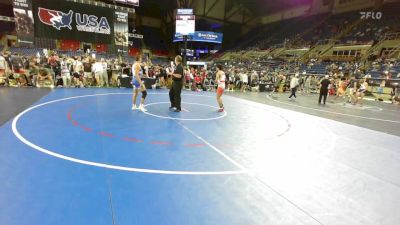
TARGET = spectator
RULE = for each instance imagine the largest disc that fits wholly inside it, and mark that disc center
(33, 72)
(79, 79)
(231, 81)
(294, 83)
(45, 79)
(307, 85)
(396, 95)
(380, 90)
(254, 79)
(53, 60)
(18, 70)
(87, 72)
(104, 73)
(65, 73)
(163, 76)
(244, 81)
(98, 71)
(313, 84)
(198, 82)
(3, 71)
(77, 65)
(361, 91)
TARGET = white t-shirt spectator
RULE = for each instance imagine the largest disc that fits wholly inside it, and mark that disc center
(104, 64)
(78, 66)
(64, 68)
(294, 82)
(3, 63)
(244, 78)
(98, 67)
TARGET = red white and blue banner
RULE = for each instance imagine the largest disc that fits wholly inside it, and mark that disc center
(74, 21)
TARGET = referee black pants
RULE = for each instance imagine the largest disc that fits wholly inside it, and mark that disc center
(175, 94)
(322, 93)
(293, 93)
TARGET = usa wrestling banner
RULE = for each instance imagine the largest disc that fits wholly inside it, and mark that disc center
(74, 21)
(24, 23)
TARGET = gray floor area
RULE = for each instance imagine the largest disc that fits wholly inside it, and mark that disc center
(373, 115)
(332, 173)
(15, 100)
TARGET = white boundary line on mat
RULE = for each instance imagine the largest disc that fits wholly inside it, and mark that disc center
(337, 113)
(103, 165)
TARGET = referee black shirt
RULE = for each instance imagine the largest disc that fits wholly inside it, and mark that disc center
(178, 70)
(325, 84)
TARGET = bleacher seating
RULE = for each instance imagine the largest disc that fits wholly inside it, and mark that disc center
(160, 60)
(316, 68)
(310, 30)
(380, 70)
(372, 29)
(26, 51)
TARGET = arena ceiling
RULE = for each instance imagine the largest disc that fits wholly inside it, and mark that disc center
(256, 7)
(260, 7)
(265, 7)
(226, 11)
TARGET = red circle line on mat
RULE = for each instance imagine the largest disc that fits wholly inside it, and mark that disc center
(105, 134)
(157, 143)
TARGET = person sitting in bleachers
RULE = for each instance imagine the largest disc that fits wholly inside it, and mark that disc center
(33, 72)
(198, 82)
(18, 73)
(3, 71)
(79, 79)
(45, 79)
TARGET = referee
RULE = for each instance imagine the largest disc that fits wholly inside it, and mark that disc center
(177, 84)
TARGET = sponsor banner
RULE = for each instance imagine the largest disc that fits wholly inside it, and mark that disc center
(196, 63)
(184, 12)
(24, 22)
(130, 2)
(76, 21)
(7, 19)
(121, 28)
(133, 35)
(202, 36)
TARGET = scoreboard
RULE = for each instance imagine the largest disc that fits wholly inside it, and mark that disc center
(185, 22)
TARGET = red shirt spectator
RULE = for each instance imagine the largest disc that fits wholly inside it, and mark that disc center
(53, 60)
(197, 79)
(204, 75)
